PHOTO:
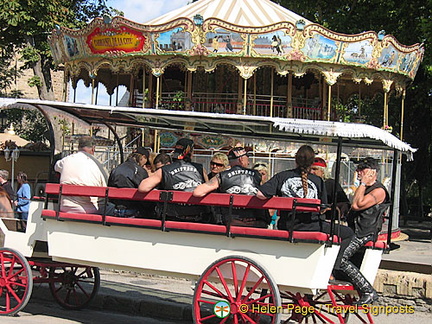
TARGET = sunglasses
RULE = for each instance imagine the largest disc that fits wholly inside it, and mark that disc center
(216, 164)
(259, 165)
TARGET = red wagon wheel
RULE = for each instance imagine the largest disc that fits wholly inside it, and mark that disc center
(336, 304)
(236, 290)
(72, 286)
(16, 281)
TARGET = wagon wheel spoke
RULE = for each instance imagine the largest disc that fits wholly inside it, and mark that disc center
(74, 287)
(16, 281)
(246, 284)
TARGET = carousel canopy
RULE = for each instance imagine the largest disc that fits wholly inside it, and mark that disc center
(247, 34)
(258, 128)
(251, 13)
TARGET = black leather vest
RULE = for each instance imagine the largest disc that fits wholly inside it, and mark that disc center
(239, 180)
(369, 221)
(182, 176)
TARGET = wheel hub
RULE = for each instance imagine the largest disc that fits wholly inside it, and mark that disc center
(2, 282)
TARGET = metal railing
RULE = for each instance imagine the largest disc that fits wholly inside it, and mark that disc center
(229, 103)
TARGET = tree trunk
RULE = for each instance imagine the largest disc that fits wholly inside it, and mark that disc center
(43, 72)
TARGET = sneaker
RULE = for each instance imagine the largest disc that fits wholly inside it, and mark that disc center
(367, 298)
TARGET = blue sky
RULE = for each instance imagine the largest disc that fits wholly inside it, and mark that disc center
(139, 11)
(144, 10)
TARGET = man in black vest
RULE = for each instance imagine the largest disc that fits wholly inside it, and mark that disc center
(129, 174)
(370, 201)
(237, 180)
(182, 175)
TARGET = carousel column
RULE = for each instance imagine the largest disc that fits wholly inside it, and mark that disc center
(271, 92)
(244, 96)
(329, 101)
(331, 78)
(189, 89)
(117, 90)
(157, 91)
(143, 89)
(239, 96)
(150, 89)
(402, 114)
(386, 87)
(254, 110)
(93, 77)
(289, 96)
(132, 91)
(65, 87)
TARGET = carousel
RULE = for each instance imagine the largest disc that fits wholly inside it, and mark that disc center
(250, 57)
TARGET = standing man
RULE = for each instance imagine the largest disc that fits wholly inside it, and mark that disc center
(82, 169)
(182, 175)
(370, 201)
(239, 179)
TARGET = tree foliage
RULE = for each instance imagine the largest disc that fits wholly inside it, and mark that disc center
(410, 22)
(26, 25)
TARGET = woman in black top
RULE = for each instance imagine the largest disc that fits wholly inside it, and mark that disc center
(299, 182)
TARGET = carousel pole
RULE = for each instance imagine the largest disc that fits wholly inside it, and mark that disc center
(157, 91)
(143, 88)
(97, 93)
(132, 102)
(329, 102)
(402, 114)
(65, 82)
(271, 92)
(117, 90)
(289, 96)
(254, 111)
(385, 119)
(93, 91)
(244, 96)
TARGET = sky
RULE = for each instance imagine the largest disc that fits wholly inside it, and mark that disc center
(139, 11)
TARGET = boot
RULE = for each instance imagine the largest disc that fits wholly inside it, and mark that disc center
(367, 298)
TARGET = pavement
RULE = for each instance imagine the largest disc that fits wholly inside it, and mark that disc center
(168, 298)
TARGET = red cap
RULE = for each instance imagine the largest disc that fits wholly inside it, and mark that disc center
(320, 162)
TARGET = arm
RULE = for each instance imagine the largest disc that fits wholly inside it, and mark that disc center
(206, 187)
(58, 167)
(260, 195)
(151, 182)
(376, 196)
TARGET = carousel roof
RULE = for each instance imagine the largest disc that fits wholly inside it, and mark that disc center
(251, 13)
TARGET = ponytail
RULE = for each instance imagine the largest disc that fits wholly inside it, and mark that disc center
(304, 158)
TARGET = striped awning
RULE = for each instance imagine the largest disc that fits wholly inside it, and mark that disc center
(251, 13)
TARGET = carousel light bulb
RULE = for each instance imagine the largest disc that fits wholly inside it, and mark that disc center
(300, 24)
(198, 20)
(106, 19)
(381, 34)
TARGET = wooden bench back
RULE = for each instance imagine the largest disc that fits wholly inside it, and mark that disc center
(213, 199)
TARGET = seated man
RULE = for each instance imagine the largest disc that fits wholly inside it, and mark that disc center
(182, 175)
(129, 174)
(83, 169)
(237, 180)
(319, 168)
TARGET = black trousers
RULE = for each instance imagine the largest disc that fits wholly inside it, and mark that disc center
(345, 233)
(350, 269)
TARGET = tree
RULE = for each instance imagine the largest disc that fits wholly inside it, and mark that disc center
(26, 25)
(409, 21)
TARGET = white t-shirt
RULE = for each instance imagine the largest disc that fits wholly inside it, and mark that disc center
(80, 169)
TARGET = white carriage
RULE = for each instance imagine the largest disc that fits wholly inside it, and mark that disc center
(256, 275)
